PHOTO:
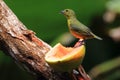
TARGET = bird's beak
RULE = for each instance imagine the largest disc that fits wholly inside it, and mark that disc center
(62, 12)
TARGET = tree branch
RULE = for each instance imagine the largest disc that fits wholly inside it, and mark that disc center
(23, 46)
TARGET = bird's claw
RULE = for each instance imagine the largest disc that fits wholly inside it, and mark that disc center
(80, 43)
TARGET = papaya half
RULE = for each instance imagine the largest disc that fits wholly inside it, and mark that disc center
(65, 59)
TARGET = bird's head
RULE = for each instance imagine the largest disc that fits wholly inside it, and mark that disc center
(68, 13)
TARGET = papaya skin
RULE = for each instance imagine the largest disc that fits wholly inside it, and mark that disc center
(65, 59)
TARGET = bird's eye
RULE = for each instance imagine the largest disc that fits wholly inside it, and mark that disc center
(66, 10)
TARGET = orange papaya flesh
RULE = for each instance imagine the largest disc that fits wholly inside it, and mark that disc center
(65, 59)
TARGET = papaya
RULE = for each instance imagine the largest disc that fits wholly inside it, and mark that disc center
(65, 59)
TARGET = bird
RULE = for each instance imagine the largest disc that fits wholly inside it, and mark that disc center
(76, 28)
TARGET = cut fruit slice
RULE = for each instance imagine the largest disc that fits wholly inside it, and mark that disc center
(65, 59)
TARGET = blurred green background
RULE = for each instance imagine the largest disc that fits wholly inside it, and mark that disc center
(42, 16)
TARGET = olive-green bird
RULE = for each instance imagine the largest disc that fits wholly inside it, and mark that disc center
(77, 28)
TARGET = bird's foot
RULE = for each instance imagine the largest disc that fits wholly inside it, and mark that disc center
(80, 43)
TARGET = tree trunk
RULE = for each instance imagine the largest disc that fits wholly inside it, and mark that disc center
(23, 46)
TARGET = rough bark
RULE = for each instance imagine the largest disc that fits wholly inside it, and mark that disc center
(23, 46)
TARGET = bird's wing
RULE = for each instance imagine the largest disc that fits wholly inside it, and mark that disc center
(81, 29)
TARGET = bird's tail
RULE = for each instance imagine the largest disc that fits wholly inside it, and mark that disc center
(97, 37)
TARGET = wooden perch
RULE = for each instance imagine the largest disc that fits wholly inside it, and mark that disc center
(23, 46)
